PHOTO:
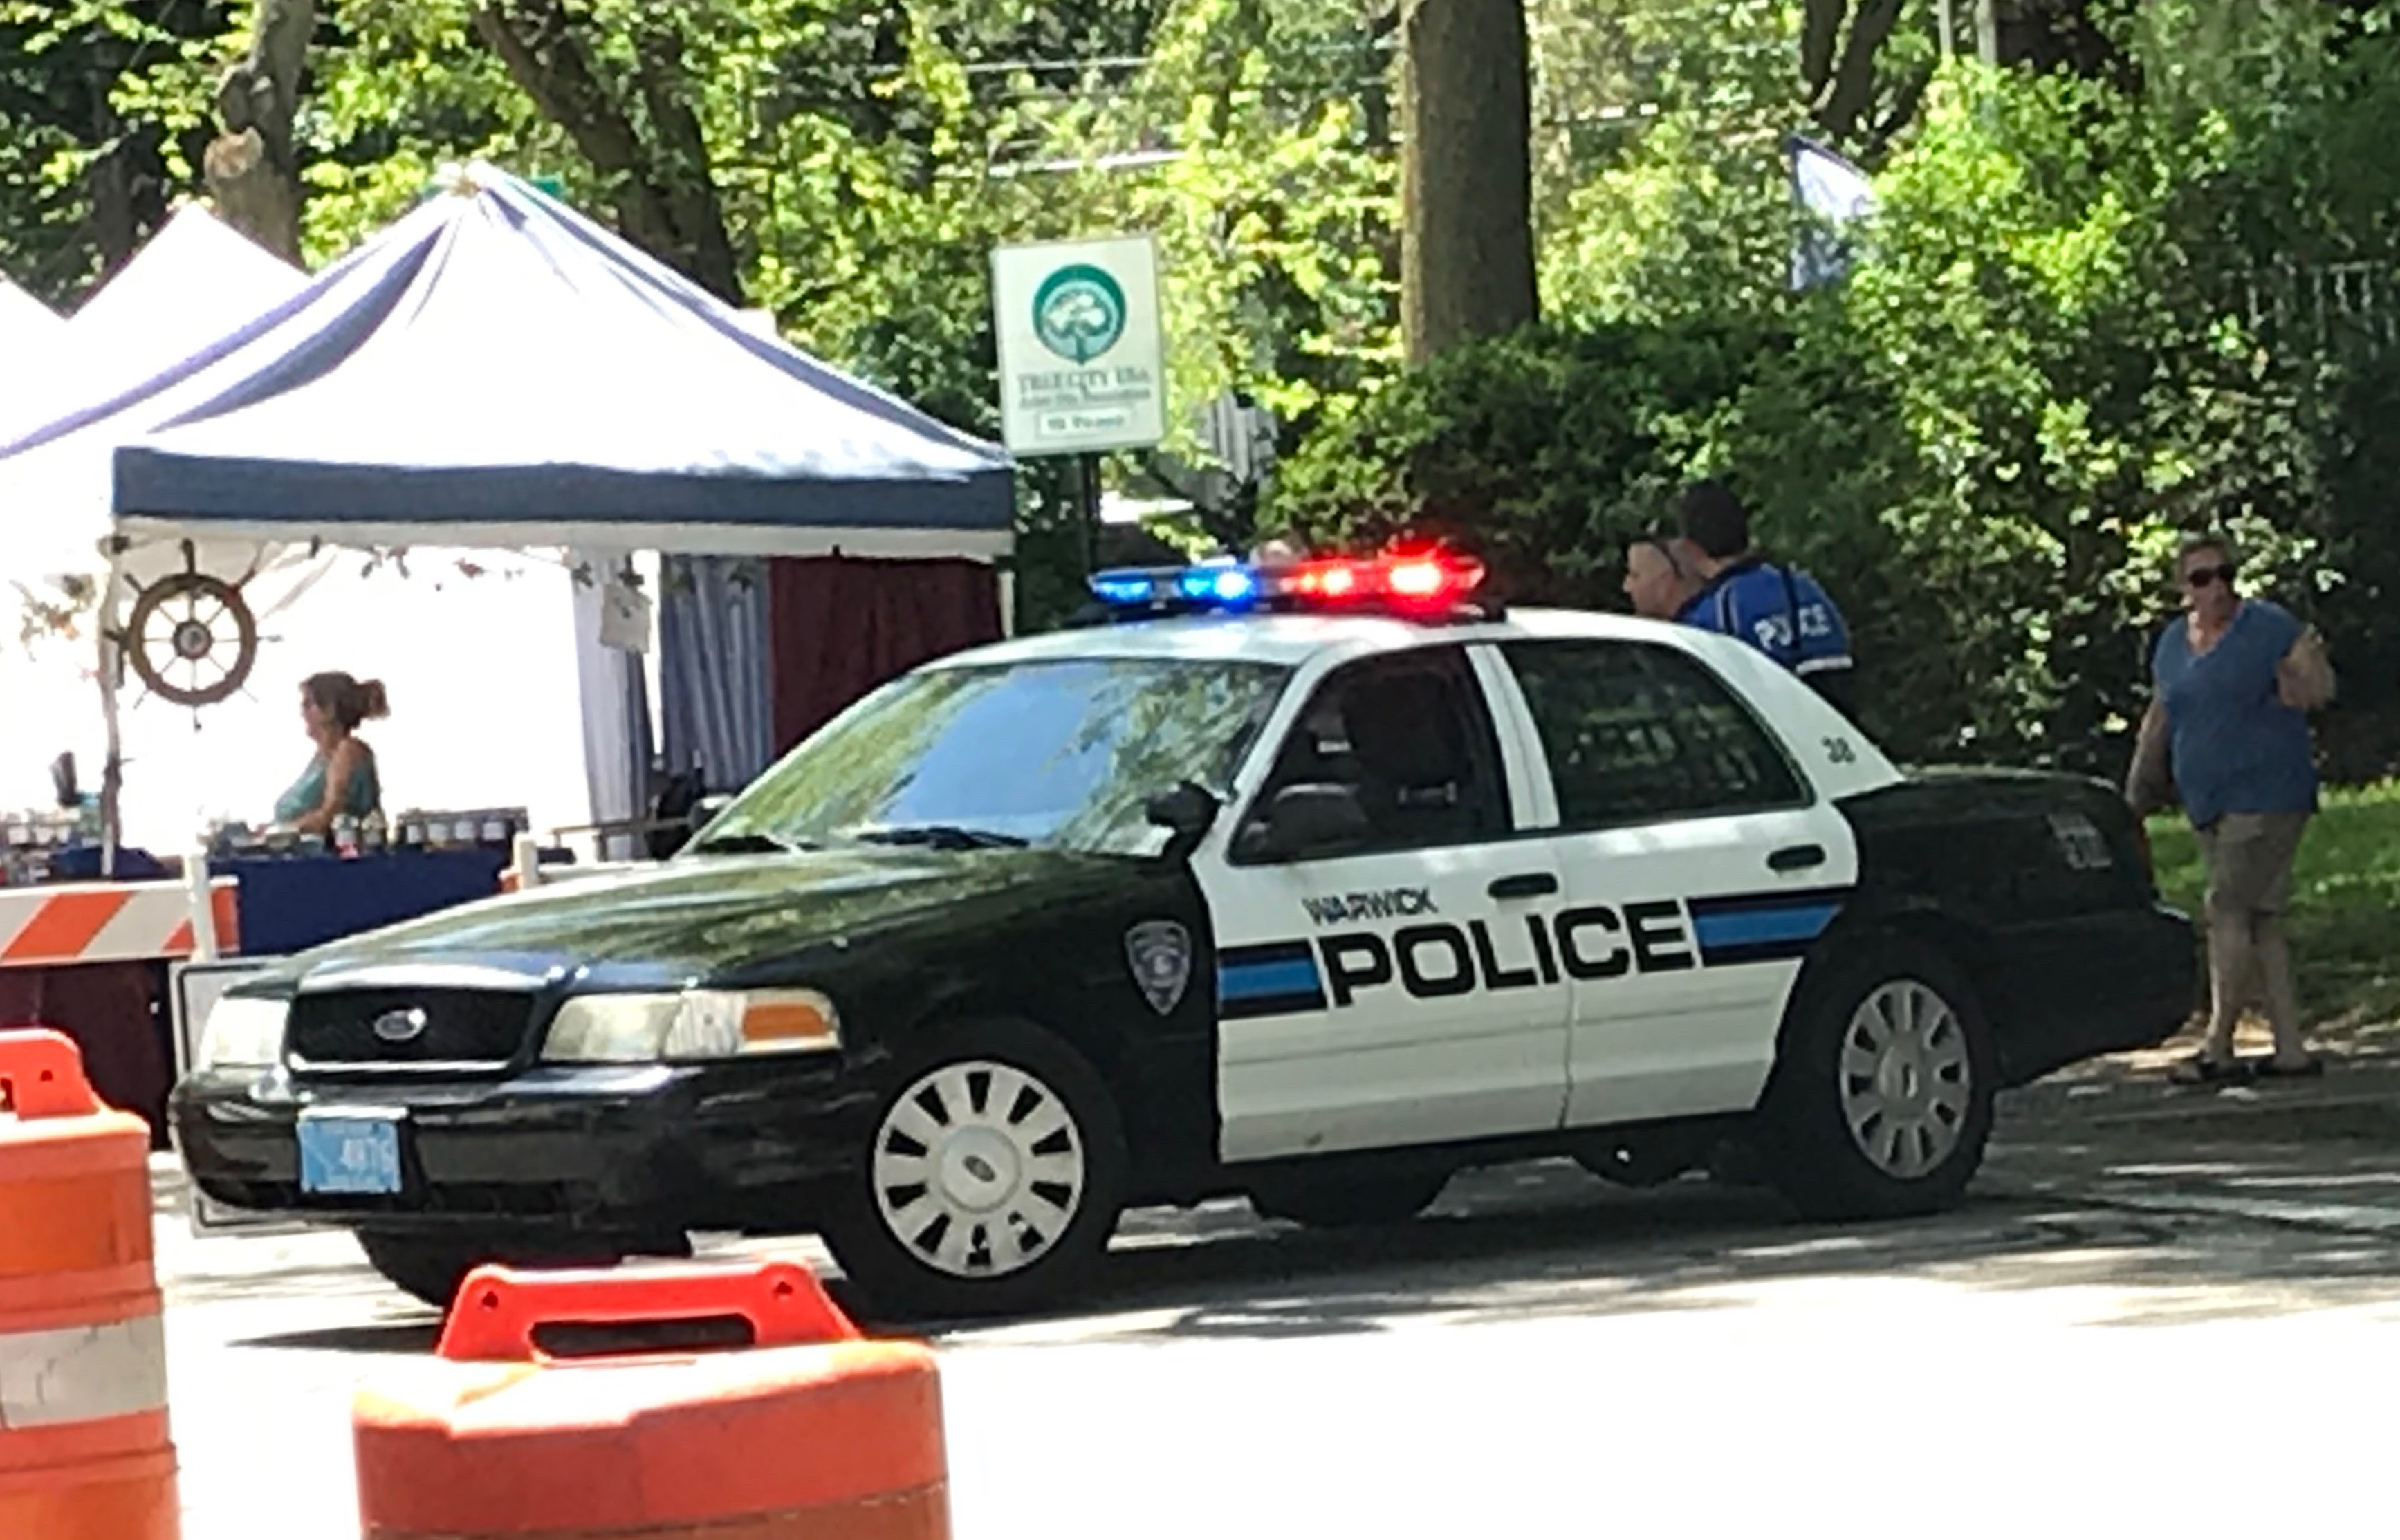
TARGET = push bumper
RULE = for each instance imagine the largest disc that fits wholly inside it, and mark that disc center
(585, 1148)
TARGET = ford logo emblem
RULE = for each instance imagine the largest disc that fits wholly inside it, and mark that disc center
(401, 1026)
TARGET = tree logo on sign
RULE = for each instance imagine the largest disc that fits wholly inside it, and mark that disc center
(1078, 313)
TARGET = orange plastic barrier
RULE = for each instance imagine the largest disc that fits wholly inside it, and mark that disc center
(811, 1432)
(84, 1448)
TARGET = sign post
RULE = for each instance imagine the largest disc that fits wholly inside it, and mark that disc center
(1082, 357)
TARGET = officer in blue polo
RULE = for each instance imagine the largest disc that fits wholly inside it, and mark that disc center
(1778, 610)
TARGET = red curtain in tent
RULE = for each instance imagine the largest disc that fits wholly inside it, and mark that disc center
(841, 625)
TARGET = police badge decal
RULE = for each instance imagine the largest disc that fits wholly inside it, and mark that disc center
(1159, 952)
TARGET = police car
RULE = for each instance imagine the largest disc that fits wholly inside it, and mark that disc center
(1314, 883)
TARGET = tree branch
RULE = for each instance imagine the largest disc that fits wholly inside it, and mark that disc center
(535, 40)
(1820, 24)
(682, 163)
(1851, 93)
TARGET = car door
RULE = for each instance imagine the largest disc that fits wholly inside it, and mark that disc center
(1393, 987)
(1698, 864)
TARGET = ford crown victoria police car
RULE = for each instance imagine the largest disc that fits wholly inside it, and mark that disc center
(1314, 884)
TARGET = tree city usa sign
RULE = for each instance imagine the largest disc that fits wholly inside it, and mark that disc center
(1081, 353)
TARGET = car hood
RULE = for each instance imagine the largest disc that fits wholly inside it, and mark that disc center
(704, 919)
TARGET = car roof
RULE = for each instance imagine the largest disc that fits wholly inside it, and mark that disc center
(1294, 639)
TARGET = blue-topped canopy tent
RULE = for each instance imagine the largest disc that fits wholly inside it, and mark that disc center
(497, 369)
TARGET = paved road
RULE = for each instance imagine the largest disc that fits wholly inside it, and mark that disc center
(2141, 1327)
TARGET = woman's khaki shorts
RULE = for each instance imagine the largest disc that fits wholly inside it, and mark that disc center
(2249, 857)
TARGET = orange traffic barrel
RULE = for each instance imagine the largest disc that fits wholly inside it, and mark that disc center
(84, 1448)
(808, 1431)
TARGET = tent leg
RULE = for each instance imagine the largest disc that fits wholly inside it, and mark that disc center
(1087, 484)
(112, 773)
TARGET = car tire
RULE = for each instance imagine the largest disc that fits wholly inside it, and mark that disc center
(993, 1176)
(1880, 1103)
(1331, 1202)
(430, 1267)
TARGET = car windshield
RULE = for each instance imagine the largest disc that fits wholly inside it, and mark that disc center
(1062, 755)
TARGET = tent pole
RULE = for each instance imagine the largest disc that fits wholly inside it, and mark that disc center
(1087, 484)
(112, 773)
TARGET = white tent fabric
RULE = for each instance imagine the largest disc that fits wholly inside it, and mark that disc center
(190, 286)
(482, 672)
(195, 281)
(32, 345)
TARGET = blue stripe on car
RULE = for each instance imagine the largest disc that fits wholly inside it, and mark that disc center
(1256, 980)
(1763, 926)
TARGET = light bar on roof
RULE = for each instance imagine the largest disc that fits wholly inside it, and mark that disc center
(1416, 583)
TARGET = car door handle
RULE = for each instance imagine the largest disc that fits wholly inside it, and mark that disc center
(1796, 858)
(1525, 885)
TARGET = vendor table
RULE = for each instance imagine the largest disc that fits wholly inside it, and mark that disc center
(289, 904)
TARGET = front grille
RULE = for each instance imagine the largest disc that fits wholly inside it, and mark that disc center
(457, 1027)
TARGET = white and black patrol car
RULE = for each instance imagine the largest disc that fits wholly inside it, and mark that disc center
(1315, 883)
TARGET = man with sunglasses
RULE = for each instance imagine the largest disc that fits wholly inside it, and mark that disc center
(2227, 725)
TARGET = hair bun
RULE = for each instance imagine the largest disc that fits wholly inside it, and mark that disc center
(373, 704)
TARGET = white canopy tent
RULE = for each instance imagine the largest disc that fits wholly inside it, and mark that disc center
(496, 370)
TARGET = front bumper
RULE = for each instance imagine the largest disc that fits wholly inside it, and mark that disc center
(598, 1147)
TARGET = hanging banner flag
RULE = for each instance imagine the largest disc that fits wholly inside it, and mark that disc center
(1833, 195)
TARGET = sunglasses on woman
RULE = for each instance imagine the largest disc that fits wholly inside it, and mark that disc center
(2208, 576)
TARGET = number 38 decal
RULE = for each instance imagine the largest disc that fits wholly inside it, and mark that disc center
(1838, 752)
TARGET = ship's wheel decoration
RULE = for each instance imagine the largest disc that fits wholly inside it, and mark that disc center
(191, 637)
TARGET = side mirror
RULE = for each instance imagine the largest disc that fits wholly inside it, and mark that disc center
(1308, 820)
(1187, 813)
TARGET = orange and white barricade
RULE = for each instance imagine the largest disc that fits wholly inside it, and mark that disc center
(811, 1432)
(80, 922)
(85, 1452)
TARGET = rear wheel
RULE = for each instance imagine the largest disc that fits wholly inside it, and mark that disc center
(1882, 1098)
(430, 1267)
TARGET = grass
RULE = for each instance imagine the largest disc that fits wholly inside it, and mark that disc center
(2345, 912)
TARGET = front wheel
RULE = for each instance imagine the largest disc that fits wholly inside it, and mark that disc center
(994, 1179)
(1881, 1101)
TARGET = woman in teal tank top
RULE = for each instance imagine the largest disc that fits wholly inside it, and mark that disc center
(341, 780)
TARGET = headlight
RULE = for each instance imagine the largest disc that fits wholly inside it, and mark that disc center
(698, 1024)
(242, 1032)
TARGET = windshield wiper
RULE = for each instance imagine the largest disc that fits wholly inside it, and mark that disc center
(940, 836)
(751, 844)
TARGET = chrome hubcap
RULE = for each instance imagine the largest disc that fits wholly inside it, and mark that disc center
(1907, 1081)
(978, 1170)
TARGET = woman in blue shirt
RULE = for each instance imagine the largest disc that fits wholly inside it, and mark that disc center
(341, 780)
(2235, 682)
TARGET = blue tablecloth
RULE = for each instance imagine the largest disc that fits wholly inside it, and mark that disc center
(289, 904)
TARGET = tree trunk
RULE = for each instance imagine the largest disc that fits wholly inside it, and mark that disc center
(1849, 96)
(665, 195)
(253, 166)
(1467, 264)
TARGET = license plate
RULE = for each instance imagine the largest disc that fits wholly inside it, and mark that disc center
(349, 1153)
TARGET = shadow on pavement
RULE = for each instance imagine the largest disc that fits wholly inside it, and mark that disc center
(1689, 1246)
(409, 1337)
(1545, 1242)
